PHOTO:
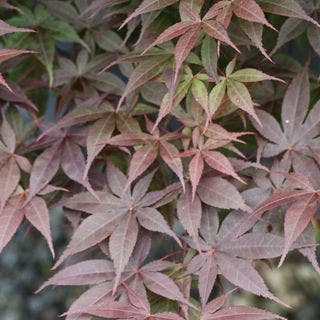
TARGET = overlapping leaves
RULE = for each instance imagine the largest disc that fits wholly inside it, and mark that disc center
(118, 214)
(225, 252)
(300, 126)
(171, 112)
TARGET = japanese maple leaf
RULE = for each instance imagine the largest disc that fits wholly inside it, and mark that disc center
(148, 68)
(233, 84)
(88, 272)
(189, 31)
(201, 107)
(6, 54)
(300, 129)
(276, 184)
(303, 200)
(230, 85)
(306, 242)
(220, 193)
(213, 311)
(224, 252)
(213, 191)
(65, 152)
(100, 273)
(139, 309)
(92, 109)
(97, 273)
(106, 120)
(100, 132)
(83, 73)
(147, 6)
(16, 203)
(299, 20)
(176, 93)
(96, 6)
(6, 28)
(10, 162)
(194, 118)
(204, 153)
(117, 216)
(247, 10)
(17, 96)
(92, 16)
(150, 65)
(152, 144)
(139, 275)
(299, 24)
(14, 212)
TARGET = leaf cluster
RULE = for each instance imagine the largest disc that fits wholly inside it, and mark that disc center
(180, 138)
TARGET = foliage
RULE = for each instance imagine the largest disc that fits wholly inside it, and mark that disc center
(172, 127)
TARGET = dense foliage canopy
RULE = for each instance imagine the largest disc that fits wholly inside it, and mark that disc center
(181, 138)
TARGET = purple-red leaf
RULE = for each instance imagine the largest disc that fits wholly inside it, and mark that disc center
(115, 309)
(97, 134)
(254, 31)
(36, 211)
(122, 242)
(6, 54)
(170, 155)
(44, 169)
(162, 285)
(183, 47)
(141, 161)
(148, 6)
(242, 274)
(89, 297)
(220, 162)
(240, 97)
(195, 171)
(9, 179)
(207, 278)
(10, 219)
(215, 29)
(82, 273)
(151, 219)
(7, 134)
(250, 10)
(91, 231)
(189, 212)
(172, 32)
(6, 28)
(288, 8)
(242, 313)
(255, 245)
(297, 219)
(72, 161)
(220, 193)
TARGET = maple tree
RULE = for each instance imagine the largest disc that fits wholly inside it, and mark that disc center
(181, 139)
